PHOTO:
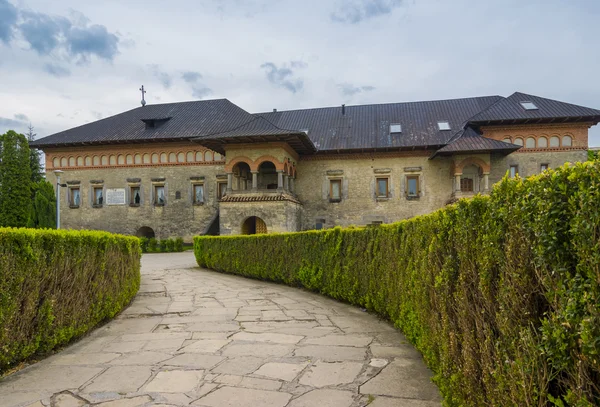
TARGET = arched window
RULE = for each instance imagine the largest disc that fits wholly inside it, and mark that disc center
(217, 157)
(63, 162)
(104, 160)
(155, 158)
(208, 156)
(530, 142)
(96, 160)
(163, 157)
(567, 141)
(80, 161)
(71, 161)
(146, 158)
(199, 156)
(172, 158)
(190, 156)
(518, 141)
(137, 159)
(121, 159)
(180, 158)
(542, 142)
(554, 141)
(129, 159)
(507, 140)
(56, 162)
(88, 161)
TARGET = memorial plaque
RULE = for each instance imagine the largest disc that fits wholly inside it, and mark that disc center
(115, 196)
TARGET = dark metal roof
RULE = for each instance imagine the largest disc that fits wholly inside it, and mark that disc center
(257, 130)
(510, 110)
(469, 140)
(368, 126)
(186, 120)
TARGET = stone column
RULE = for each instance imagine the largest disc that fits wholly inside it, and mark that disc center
(254, 181)
(486, 181)
(292, 185)
(229, 181)
(279, 180)
(286, 182)
(457, 182)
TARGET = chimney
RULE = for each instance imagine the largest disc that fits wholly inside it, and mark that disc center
(343, 110)
(274, 110)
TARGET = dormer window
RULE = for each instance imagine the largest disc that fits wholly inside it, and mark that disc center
(156, 122)
(443, 125)
(395, 128)
(528, 105)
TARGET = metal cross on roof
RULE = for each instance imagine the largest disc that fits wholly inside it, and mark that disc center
(143, 92)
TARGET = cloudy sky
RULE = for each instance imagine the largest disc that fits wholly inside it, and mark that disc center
(65, 63)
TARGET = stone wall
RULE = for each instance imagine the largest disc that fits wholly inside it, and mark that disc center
(179, 217)
(279, 216)
(359, 204)
(529, 163)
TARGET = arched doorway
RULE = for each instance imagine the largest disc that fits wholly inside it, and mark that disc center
(469, 180)
(145, 231)
(253, 225)
(242, 176)
(267, 175)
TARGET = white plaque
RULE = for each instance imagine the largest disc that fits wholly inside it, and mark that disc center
(115, 196)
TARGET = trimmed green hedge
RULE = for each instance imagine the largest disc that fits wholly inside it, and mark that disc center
(161, 246)
(501, 294)
(57, 285)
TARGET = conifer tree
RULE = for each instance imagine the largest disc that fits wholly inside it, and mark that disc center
(15, 180)
(37, 174)
(43, 209)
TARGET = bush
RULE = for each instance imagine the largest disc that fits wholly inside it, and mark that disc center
(501, 294)
(144, 244)
(57, 285)
(152, 245)
(178, 245)
(163, 245)
(170, 246)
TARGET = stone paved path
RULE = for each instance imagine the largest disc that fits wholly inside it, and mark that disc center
(199, 338)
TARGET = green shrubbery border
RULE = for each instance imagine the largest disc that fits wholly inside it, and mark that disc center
(152, 245)
(501, 294)
(57, 285)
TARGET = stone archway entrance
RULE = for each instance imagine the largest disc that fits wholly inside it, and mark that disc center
(253, 225)
(145, 231)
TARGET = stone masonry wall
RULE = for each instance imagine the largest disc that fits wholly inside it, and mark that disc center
(279, 216)
(529, 162)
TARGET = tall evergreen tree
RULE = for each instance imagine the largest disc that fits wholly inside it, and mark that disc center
(43, 210)
(37, 173)
(15, 180)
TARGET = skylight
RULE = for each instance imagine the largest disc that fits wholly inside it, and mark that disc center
(528, 105)
(395, 128)
(443, 125)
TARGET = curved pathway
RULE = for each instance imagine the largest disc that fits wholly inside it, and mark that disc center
(200, 338)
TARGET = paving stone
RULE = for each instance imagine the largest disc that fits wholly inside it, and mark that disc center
(324, 398)
(120, 379)
(50, 377)
(155, 336)
(127, 402)
(177, 399)
(406, 378)
(231, 380)
(124, 347)
(261, 384)
(378, 362)
(165, 345)
(241, 365)
(175, 381)
(240, 397)
(331, 353)
(400, 351)
(395, 402)
(324, 374)
(206, 346)
(260, 350)
(141, 358)
(213, 327)
(36, 404)
(194, 360)
(83, 358)
(210, 335)
(340, 340)
(13, 398)
(282, 371)
(267, 337)
(67, 400)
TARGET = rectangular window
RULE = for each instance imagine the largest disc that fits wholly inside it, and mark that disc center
(198, 197)
(74, 197)
(221, 189)
(382, 188)
(412, 186)
(514, 171)
(97, 196)
(395, 128)
(159, 195)
(466, 184)
(320, 224)
(335, 190)
(135, 196)
(544, 167)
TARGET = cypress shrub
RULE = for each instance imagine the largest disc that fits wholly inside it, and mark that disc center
(501, 294)
(56, 285)
(152, 245)
(170, 245)
(144, 244)
(162, 246)
(178, 247)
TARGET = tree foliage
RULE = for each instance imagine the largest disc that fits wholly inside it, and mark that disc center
(43, 210)
(15, 180)
(37, 173)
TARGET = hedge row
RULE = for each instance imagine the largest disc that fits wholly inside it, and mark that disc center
(57, 285)
(501, 294)
(153, 245)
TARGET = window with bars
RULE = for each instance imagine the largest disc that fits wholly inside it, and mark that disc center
(466, 184)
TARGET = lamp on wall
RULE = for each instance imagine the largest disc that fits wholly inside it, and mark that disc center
(58, 185)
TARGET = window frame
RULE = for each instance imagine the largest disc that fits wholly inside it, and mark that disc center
(132, 195)
(472, 184)
(72, 205)
(194, 186)
(417, 178)
(95, 201)
(155, 194)
(333, 181)
(510, 168)
(220, 194)
(546, 165)
(395, 128)
(387, 187)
